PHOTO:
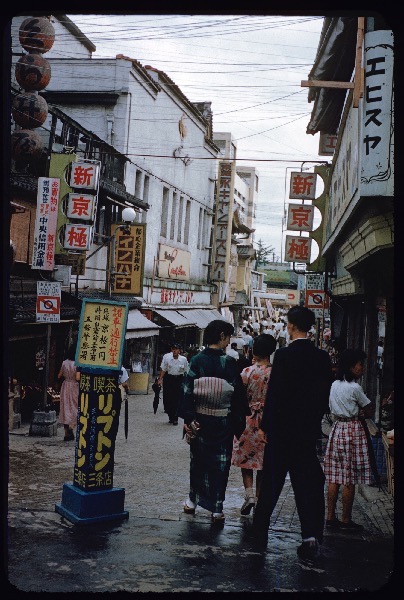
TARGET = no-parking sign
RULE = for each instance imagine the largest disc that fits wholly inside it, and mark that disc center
(48, 302)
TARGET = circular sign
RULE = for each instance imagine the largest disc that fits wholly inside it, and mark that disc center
(317, 299)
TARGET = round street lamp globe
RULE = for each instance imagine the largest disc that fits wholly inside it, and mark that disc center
(128, 214)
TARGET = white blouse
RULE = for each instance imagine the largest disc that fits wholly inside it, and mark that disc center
(347, 398)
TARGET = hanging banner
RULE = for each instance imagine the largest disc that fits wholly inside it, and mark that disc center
(43, 256)
(300, 217)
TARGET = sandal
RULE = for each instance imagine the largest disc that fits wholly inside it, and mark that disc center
(188, 510)
(218, 519)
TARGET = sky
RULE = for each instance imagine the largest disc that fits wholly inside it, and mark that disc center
(250, 68)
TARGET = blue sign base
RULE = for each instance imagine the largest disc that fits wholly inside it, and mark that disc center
(83, 507)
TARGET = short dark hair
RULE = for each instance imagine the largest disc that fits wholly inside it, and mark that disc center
(301, 317)
(71, 353)
(264, 345)
(214, 329)
(176, 345)
(348, 359)
(233, 345)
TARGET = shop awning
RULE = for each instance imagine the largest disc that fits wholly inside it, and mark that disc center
(201, 316)
(139, 326)
(174, 317)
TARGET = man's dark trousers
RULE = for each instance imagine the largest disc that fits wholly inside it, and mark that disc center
(172, 392)
(307, 479)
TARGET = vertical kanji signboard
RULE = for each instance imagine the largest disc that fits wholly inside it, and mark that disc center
(99, 352)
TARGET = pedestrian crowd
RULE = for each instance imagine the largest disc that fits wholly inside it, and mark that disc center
(255, 399)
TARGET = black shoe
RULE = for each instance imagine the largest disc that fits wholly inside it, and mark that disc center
(308, 549)
(333, 524)
(350, 526)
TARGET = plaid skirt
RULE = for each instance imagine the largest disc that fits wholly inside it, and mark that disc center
(210, 455)
(346, 458)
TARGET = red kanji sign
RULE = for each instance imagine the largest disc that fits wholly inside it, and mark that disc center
(297, 249)
(300, 217)
(303, 185)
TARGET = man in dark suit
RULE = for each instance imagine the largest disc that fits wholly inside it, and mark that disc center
(297, 398)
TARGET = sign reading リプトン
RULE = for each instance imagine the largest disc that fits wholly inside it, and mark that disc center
(101, 335)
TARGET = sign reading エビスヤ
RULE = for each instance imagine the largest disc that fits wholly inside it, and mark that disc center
(48, 301)
(101, 335)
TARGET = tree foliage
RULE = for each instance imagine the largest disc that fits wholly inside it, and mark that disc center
(263, 254)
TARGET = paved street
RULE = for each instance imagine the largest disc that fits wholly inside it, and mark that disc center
(158, 548)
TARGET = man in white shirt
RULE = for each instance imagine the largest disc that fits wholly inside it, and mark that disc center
(232, 351)
(123, 382)
(172, 370)
(282, 335)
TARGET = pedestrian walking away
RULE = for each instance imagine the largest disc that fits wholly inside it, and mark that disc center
(349, 456)
(172, 370)
(69, 394)
(297, 399)
(248, 451)
(214, 408)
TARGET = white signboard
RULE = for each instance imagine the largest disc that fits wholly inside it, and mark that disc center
(300, 217)
(327, 144)
(81, 206)
(377, 164)
(297, 249)
(43, 255)
(84, 175)
(302, 185)
(48, 301)
(315, 281)
(173, 263)
(78, 236)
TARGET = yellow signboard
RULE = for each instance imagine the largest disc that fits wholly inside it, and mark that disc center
(101, 334)
(129, 260)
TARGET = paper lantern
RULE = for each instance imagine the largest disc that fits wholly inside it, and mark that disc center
(33, 72)
(29, 110)
(26, 144)
(37, 34)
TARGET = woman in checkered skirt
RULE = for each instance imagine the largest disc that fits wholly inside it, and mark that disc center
(346, 460)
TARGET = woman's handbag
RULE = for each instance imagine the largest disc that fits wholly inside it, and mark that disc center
(191, 431)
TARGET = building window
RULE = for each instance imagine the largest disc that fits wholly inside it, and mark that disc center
(164, 211)
(174, 215)
(187, 221)
(200, 230)
(180, 218)
(138, 184)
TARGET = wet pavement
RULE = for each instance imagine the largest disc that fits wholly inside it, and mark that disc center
(159, 548)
